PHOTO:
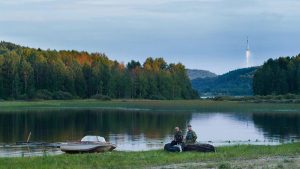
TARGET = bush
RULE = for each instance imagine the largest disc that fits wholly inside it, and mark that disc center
(101, 97)
(278, 97)
(290, 96)
(43, 94)
(222, 98)
(218, 98)
(60, 95)
(157, 97)
(22, 97)
(224, 166)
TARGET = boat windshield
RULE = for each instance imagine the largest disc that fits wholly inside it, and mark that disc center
(93, 139)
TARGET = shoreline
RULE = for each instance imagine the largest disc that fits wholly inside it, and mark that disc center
(287, 155)
(151, 105)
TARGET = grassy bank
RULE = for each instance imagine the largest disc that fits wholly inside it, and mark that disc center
(288, 98)
(151, 105)
(224, 157)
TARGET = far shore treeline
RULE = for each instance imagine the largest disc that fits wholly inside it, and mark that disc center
(27, 73)
(278, 76)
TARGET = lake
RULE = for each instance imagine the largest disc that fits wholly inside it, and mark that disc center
(135, 131)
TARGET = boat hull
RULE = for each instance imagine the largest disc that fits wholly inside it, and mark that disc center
(86, 148)
(190, 147)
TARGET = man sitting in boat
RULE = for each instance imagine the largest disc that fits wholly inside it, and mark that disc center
(189, 144)
(191, 136)
(178, 137)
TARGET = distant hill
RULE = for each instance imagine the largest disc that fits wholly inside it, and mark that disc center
(195, 73)
(233, 83)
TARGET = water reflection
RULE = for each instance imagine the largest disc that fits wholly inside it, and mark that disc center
(221, 128)
(148, 130)
(282, 126)
(56, 126)
(15, 151)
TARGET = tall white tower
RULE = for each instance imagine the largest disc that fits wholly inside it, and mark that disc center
(248, 54)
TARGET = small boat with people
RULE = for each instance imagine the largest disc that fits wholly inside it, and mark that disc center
(188, 144)
(88, 144)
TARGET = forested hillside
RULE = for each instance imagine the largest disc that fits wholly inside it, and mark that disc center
(279, 76)
(27, 73)
(233, 83)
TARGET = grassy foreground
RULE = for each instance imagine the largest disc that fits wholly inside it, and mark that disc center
(222, 158)
(152, 105)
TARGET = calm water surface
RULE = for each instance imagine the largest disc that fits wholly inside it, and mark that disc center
(134, 131)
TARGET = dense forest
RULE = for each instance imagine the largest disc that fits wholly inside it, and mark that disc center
(27, 73)
(279, 76)
(234, 83)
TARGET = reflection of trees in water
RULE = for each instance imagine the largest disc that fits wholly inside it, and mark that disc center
(61, 125)
(283, 125)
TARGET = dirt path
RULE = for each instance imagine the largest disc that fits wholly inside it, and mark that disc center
(263, 163)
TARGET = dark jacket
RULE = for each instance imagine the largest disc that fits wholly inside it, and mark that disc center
(178, 137)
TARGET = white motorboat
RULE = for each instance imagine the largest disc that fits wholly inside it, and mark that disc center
(88, 144)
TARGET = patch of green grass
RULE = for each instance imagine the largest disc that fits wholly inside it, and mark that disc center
(280, 166)
(287, 161)
(150, 158)
(151, 105)
(224, 166)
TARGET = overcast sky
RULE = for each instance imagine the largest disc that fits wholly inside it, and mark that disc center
(201, 34)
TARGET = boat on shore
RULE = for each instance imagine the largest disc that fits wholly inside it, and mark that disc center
(189, 147)
(88, 144)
